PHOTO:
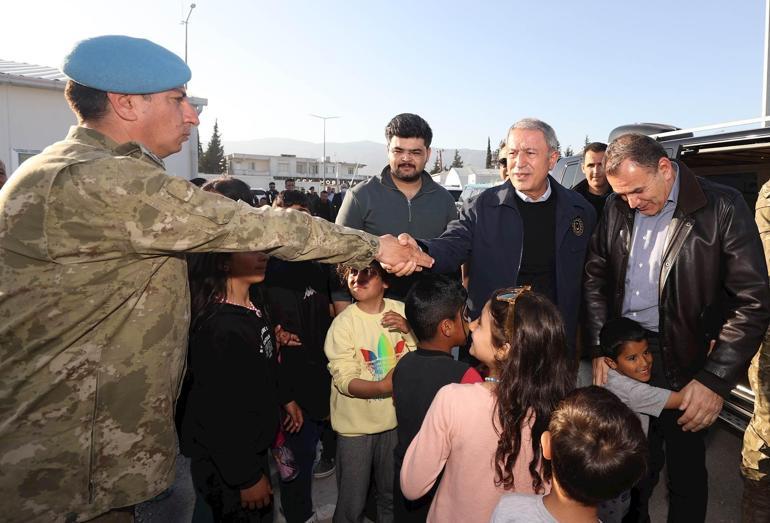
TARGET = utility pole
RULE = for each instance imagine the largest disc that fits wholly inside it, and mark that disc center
(186, 22)
(323, 160)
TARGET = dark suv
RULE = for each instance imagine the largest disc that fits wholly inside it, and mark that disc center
(735, 154)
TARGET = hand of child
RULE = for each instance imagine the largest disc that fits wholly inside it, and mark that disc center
(600, 371)
(294, 420)
(394, 321)
(258, 495)
(286, 338)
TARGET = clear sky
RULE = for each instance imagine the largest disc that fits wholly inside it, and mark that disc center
(469, 68)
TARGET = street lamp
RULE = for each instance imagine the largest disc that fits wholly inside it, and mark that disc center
(323, 161)
(186, 22)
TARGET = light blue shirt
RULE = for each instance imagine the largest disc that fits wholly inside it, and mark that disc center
(542, 198)
(640, 302)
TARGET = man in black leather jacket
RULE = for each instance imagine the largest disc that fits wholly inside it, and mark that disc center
(682, 256)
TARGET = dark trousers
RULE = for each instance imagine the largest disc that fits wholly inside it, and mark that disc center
(225, 502)
(328, 441)
(683, 454)
(296, 495)
(407, 510)
(755, 505)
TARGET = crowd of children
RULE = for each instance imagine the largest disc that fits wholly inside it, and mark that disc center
(428, 438)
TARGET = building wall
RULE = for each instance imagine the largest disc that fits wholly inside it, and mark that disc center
(31, 118)
(259, 170)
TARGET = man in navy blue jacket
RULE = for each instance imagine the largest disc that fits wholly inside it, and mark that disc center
(529, 230)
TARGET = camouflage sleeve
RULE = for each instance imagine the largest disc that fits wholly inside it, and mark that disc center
(763, 220)
(755, 463)
(172, 215)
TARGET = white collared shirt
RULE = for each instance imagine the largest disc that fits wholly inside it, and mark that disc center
(544, 197)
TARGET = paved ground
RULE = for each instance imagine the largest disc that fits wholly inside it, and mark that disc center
(725, 487)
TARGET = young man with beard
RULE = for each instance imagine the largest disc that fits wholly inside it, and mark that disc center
(404, 198)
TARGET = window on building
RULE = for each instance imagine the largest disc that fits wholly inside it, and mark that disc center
(350, 171)
(253, 166)
(23, 155)
(301, 168)
(283, 167)
(329, 169)
(313, 168)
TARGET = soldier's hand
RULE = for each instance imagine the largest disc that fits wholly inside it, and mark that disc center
(401, 256)
(701, 407)
(600, 371)
(258, 495)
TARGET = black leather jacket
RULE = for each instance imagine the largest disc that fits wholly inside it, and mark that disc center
(713, 283)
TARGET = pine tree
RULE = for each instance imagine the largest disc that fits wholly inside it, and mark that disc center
(588, 140)
(214, 158)
(489, 153)
(457, 161)
(568, 151)
(437, 168)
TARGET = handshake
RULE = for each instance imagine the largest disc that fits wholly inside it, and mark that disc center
(401, 256)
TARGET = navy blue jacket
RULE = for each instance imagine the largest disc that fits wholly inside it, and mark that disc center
(489, 235)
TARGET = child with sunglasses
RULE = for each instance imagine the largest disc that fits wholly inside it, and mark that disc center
(486, 436)
(363, 345)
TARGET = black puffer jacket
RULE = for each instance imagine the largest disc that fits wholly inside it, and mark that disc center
(713, 282)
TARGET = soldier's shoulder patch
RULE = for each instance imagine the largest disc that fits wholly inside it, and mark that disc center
(578, 227)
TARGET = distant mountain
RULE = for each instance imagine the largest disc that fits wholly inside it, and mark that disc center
(372, 154)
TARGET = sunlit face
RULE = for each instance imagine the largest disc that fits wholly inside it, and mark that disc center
(593, 169)
(247, 267)
(529, 161)
(645, 189)
(289, 185)
(482, 346)
(165, 121)
(366, 285)
(407, 157)
(634, 361)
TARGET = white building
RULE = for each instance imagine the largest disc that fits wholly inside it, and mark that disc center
(258, 170)
(459, 177)
(34, 114)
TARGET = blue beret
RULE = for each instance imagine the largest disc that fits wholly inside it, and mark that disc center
(122, 64)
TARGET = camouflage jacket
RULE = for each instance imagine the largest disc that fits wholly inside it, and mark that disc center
(755, 462)
(94, 313)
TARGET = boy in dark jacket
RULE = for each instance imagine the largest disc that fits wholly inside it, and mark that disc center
(434, 309)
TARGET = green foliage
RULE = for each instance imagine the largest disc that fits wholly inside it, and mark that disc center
(489, 154)
(213, 160)
(457, 161)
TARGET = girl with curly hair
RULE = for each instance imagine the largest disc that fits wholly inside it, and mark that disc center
(486, 436)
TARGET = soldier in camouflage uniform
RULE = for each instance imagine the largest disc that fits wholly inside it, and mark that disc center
(94, 301)
(756, 440)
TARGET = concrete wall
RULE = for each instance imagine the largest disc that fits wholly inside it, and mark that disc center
(31, 118)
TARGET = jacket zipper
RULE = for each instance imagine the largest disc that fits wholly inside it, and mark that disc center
(409, 206)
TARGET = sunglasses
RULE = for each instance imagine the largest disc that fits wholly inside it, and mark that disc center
(510, 298)
(369, 272)
(502, 162)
